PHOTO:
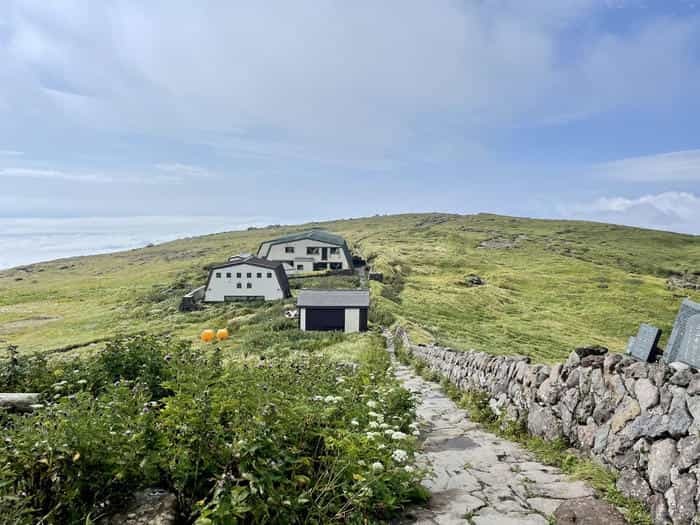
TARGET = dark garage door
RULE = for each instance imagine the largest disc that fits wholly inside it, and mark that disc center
(325, 319)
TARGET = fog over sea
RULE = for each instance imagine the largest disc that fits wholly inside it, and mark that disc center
(30, 240)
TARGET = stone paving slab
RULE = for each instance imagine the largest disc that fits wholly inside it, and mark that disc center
(479, 478)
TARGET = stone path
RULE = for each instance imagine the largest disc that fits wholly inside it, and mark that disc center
(479, 478)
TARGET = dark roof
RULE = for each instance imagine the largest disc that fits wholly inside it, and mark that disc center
(276, 266)
(334, 298)
(316, 235)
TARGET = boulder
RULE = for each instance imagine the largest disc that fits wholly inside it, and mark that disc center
(633, 485)
(681, 499)
(659, 510)
(627, 411)
(542, 422)
(647, 394)
(587, 511)
(679, 419)
(681, 377)
(694, 386)
(688, 451)
(662, 457)
(149, 507)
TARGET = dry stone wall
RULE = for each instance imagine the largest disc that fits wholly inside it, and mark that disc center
(642, 419)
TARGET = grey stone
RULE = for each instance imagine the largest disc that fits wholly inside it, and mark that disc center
(659, 510)
(684, 343)
(693, 403)
(681, 499)
(677, 366)
(643, 346)
(681, 377)
(662, 457)
(646, 392)
(587, 511)
(149, 507)
(689, 451)
(601, 438)
(694, 386)
(637, 370)
(542, 422)
(627, 411)
(610, 362)
(633, 485)
(586, 434)
(590, 350)
(679, 420)
(592, 361)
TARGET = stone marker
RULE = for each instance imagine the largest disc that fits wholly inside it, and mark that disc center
(642, 346)
(684, 343)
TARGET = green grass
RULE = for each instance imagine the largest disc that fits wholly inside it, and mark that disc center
(563, 285)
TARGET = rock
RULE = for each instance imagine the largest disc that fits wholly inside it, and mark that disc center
(149, 507)
(694, 386)
(473, 280)
(601, 438)
(637, 370)
(688, 451)
(627, 411)
(587, 511)
(573, 360)
(633, 485)
(586, 434)
(548, 392)
(679, 420)
(681, 377)
(659, 510)
(604, 410)
(592, 361)
(693, 403)
(646, 392)
(662, 457)
(610, 362)
(590, 350)
(678, 366)
(542, 422)
(681, 499)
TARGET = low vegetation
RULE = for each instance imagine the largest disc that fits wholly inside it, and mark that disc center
(283, 427)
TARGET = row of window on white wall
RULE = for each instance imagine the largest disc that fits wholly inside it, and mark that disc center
(248, 275)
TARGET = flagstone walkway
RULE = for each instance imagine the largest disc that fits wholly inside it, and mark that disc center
(479, 478)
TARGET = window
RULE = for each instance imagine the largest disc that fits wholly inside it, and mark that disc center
(334, 251)
(289, 249)
(238, 275)
(258, 275)
(312, 250)
(300, 267)
(228, 275)
(336, 266)
(249, 275)
(239, 285)
(248, 285)
(218, 275)
(269, 275)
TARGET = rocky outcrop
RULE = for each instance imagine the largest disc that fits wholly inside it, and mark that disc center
(640, 419)
(149, 507)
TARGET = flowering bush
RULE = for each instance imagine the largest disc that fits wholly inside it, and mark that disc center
(295, 437)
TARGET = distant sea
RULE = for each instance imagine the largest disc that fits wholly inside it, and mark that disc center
(31, 240)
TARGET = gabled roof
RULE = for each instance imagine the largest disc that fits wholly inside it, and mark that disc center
(315, 235)
(333, 298)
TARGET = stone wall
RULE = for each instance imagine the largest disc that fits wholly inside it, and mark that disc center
(642, 419)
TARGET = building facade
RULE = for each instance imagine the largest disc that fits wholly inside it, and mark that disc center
(308, 251)
(247, 278)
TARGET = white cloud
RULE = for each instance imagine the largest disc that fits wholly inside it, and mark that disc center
(665, 167)
(674, 211)
(54, 174)
(184, 170)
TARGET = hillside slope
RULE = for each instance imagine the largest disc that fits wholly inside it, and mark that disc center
(551, 285)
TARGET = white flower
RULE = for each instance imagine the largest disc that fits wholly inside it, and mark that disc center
(372, 435)
(372, 404)
(332, 399)
(389, 432)
(414, 425)
(398, 436)
(317, 398)
(381, 446)
(377, 467)
(361, 462)
(340, 379)
(82, 381)
(383, 426)
(355, 423)
(409, 468)
(399, 455)
(416, 433)
(373, 424)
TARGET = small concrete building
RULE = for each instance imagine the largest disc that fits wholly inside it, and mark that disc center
(247, 277)
(308, 251)
(344, 310)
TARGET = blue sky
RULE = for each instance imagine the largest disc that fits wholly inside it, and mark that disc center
(325, 109)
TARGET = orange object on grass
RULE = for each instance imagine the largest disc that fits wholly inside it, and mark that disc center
(207, 336)
(222, 334)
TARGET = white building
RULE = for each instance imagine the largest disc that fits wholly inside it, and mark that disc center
(308, 251)
(247, 278)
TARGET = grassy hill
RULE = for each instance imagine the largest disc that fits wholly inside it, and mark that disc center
(551, 285)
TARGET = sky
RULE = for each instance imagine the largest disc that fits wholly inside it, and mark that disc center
(320, 109)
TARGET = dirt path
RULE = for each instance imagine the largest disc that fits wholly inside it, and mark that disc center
(479, 478)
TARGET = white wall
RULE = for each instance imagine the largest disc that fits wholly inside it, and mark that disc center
(277, 252)
(267, 287)
(302, 319)
(352, 320)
